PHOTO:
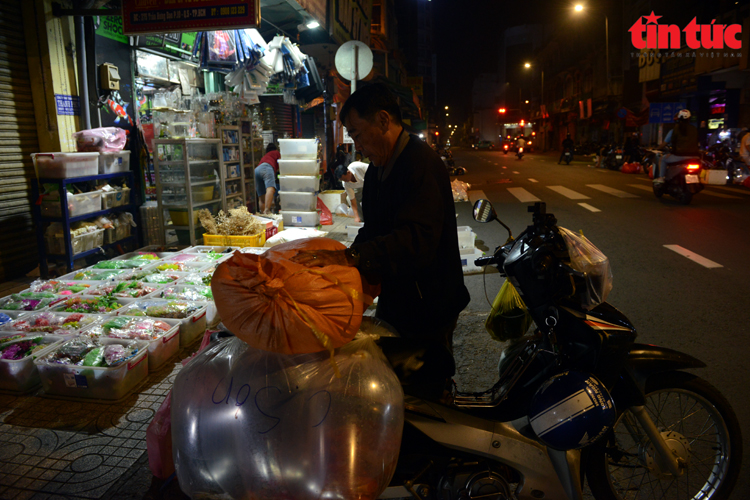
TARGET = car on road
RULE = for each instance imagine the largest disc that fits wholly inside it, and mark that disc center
(483, 145)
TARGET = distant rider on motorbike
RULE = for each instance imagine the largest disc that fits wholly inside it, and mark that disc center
(567, 144)
(684, 140)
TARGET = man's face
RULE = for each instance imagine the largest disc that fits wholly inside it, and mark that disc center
(347, 177)
(369, 136)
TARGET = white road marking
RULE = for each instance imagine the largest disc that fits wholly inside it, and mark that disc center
(645, 188)
(693, 256)
(523, 195)
(612, 191)
(476, 195)
(589, 207)
(533, 180)
(569, 193)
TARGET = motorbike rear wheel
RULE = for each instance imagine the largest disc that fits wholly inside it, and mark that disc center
(686, 197)
(697, 423)
(658, 190)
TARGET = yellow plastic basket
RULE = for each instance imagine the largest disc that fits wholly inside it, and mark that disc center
(235, 241)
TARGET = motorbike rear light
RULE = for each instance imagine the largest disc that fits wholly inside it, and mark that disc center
(520, 150)
(506, 146)
(529, 143)
(692, 167)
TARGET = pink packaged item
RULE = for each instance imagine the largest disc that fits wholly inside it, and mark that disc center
(102, 140)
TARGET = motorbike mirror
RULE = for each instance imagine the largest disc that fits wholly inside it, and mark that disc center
(484, 212)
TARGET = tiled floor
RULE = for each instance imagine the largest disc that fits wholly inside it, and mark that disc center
(63, 449)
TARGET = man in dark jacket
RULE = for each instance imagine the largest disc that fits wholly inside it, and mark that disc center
(409, 243)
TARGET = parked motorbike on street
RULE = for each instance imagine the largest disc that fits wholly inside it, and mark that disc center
(614, 158)
(577, 397)
(681, 181)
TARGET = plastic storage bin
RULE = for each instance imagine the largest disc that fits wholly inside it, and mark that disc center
(306, 168)
(93, 382)
(21, 375)
(352, 230)
(78, 204)
(299, 183)
(160, 349)
(52, 323)
(300, 219)
(191, 327)
(65, 165)
(112, 163)
(465, 237)
(303, 202)
(298, 149)
(115, 198)
(468, 256)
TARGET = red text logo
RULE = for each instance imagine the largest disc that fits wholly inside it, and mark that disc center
(697, 36)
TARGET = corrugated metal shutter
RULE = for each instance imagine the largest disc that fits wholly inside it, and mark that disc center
(284, 116)
(18, 139)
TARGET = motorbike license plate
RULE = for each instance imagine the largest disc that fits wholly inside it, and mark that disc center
(619, 157)
(691, 179)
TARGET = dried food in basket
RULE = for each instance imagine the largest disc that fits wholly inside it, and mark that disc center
(238, 222)
(47, 322)
(195, 293)
(125, 289)
(99, 305)
(23, 348)
(88, 351)
(174, 309)
(121, 327)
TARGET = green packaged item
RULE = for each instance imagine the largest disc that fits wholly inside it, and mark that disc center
(95, 357)
(509, 318)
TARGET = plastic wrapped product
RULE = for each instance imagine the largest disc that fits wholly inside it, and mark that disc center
(58, 287)
(202, 278)
(19, 350)
(124, 289)
(122, 327)
(88, 351)
(28, 301)
(243, 418)
(102, 140)
(162, 309)
(585, 257)
(54, 323)
(161, 278)
(100, 305)
(4, 318)
(194, 293)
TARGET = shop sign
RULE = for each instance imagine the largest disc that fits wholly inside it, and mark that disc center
(159, 16)
(350, 20)
(111, 27)
(663, 112)
(67, 105)
(648, 65)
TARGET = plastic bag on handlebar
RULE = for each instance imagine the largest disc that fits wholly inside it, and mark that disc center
(509, 318)
(586, 258)
(248, 423)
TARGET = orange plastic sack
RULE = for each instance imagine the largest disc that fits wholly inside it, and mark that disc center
(280, 306)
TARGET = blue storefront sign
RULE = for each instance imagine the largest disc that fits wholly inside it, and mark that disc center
(663, 112)
(67, 105)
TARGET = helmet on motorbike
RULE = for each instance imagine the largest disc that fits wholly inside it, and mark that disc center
(683, 114)
(571, 410)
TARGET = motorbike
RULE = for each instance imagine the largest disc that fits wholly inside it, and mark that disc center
(506, 146)
(682, 180)
(567, 156)
(578, 398)
(614, 158)
(519, 153)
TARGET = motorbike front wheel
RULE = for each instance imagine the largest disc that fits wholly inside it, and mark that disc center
(698, 425)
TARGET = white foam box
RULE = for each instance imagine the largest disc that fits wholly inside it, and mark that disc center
(303, 202)
(191, 327)
(468, 256)
(111, 163)
(298, 149)
(300, 219)
(466, 237)
(160, 349)
(22, 375)
(93, 382)
(352, 230)
(716, 177)
(332, 199)
(299, 183)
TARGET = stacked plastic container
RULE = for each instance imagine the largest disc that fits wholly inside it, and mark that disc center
(299, 180)
(469, 253)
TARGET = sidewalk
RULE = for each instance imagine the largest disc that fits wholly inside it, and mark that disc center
(62, 449)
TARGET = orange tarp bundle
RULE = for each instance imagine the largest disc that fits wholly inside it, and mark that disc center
(280, 306)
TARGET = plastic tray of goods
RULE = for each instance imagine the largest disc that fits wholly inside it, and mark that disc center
(30, 301)
(468, 256)
(138, 263)
(65, 165)
(90, 274)
(91, 368)
(139, 254)
(352, 230)
(193, 258)
(151, 276)
(303, 202)
(298, 148)
(299, 167)
(162, 335)
(293, 218)
(199, 279)
(61, 287)
(299, 183)
(18, 373)
(465, 237)
(90, 304)
(78, 204)
(192, 315)
(52, 323)
(196, 293)
(215, 252)
(55, 242)
(111, 163)
(125, 289)
(116, 198)
(180, 267)
(7, 317)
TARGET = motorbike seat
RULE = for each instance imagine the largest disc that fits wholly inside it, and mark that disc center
(423, 367)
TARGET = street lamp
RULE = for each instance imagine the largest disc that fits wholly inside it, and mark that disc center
(579, 8)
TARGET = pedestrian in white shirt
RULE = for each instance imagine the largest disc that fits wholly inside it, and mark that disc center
(353, 178)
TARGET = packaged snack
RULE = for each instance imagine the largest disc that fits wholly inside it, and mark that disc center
(202, 278)
(54, 323)
(29, 301)
(159, 309)
(58, 287)
(100, 305)
(194, 293)
(132, 328)
(20, 350)
(89, 351)
(126, 289)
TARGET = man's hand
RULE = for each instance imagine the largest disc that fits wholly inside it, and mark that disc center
(321, 258)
